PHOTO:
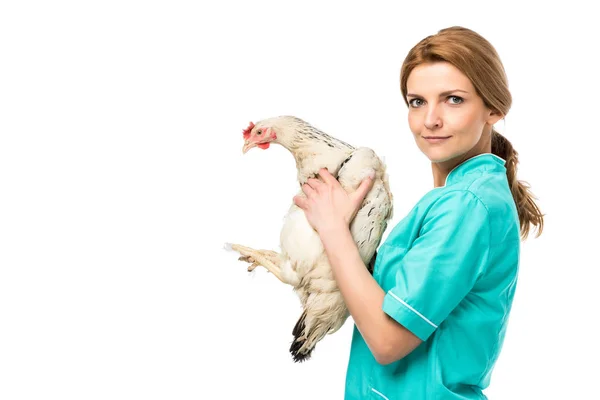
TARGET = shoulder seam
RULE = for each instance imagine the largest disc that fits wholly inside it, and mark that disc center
(468, 190)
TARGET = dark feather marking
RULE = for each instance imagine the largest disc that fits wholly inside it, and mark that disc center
(371, 266)
(344, 162)
(298, 331)
(297, 343)
(309, 130)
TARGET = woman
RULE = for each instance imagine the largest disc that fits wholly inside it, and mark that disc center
(430, 322)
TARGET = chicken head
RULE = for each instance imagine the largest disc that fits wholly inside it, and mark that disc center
(258, 136)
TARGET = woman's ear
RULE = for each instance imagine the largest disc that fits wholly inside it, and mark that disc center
(494, 117)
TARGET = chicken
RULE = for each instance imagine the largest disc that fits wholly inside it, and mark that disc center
(302, 262)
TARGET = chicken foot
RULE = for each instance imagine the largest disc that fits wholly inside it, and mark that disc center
(266, 258)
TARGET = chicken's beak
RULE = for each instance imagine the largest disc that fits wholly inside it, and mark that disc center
(247, 146)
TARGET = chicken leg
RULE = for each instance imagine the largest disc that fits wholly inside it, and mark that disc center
(269, 259)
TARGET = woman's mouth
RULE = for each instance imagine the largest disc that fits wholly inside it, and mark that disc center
(436, 139)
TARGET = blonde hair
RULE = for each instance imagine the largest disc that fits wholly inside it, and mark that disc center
(475, 57)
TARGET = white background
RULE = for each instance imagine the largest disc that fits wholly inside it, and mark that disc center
(122, 176)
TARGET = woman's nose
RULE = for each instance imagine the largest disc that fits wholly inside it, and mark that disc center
(433, 119)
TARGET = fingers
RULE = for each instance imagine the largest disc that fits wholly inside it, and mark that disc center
(313, 184)
(300, 202)
(327, 177)
(363, 189)
(308, 190)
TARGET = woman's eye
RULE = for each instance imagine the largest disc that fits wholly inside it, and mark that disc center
(415, 102)
(455, 99)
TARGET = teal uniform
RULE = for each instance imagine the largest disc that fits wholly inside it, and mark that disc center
(449, 271)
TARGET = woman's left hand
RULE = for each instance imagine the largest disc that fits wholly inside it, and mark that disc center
(327, 205)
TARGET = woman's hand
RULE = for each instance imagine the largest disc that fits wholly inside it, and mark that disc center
(327, 205)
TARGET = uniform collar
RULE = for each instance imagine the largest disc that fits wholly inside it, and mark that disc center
(481, 162)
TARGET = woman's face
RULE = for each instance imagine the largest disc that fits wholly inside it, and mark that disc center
(445, 115)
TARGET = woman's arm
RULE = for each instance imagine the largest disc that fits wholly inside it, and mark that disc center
(388, 340)
(329, 209)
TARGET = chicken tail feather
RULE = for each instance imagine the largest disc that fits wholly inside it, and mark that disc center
(299, 339)
(310, 330)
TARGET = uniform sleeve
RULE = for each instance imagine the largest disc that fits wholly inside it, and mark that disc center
(441, 267)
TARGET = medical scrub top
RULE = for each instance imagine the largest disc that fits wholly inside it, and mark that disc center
(449, 271)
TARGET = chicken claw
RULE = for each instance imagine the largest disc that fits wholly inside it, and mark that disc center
(266, 258)
(252, 266)
(250, 260)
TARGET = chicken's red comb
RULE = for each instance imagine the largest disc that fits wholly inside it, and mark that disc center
(248, 130)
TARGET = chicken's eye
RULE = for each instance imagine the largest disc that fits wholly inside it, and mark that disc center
(259, 132)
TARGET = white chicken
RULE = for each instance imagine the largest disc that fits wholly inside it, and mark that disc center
(302, 262)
